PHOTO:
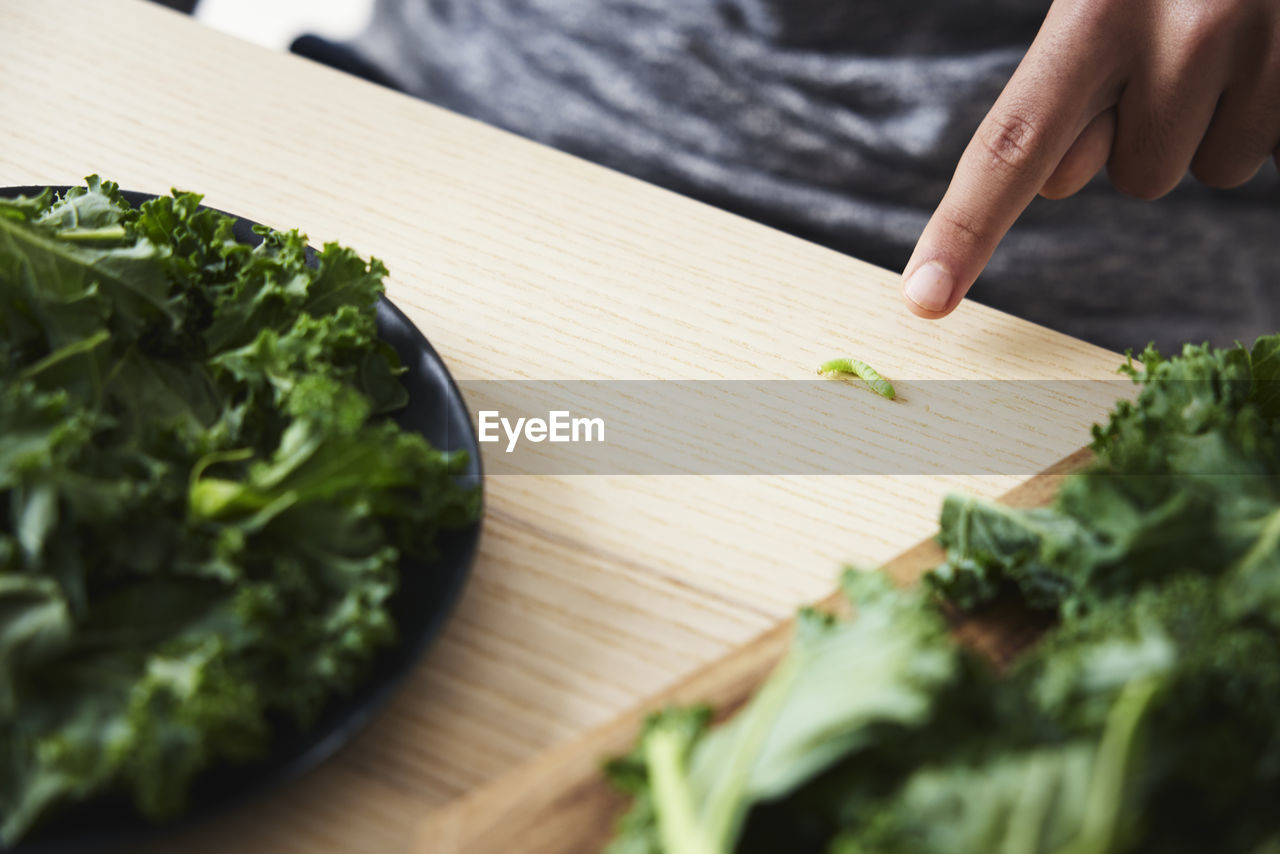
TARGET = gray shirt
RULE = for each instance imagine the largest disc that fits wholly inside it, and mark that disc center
(841, 122)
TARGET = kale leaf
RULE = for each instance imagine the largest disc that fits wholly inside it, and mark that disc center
(204, 511)
(1145, 719)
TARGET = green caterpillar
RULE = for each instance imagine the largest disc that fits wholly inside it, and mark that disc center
(863, 371)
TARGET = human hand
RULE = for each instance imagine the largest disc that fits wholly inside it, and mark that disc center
(1148, 88)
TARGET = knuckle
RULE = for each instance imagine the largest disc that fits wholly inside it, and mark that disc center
(1155, 136)
(1060, 188)
(1149, 141)
(1009, 140)
(964, 226)
(1224, 173)
(1089, 17)
(1144, 191)
(1243, 134)
(1213, 174)
(1145, 184)
(1200, 28)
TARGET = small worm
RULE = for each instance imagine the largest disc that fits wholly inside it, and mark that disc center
(863, 371)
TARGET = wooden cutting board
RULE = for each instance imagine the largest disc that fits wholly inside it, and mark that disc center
(522, 263)
(559, 802)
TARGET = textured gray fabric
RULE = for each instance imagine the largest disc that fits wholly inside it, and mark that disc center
(841, 122)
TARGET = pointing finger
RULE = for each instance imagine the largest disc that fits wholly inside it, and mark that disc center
(1057, 89)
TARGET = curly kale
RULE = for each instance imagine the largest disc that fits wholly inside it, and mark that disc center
(1145, 719)
(203, 509)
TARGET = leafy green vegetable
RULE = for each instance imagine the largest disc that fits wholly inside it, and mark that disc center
(878, 673)
(1147, 718)
(1186, 479)
(203, 510)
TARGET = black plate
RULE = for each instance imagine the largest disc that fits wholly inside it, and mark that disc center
(420, 607)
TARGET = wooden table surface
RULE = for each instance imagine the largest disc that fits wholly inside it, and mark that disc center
(590, 593)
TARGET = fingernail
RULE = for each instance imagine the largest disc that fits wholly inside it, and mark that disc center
(930, 287)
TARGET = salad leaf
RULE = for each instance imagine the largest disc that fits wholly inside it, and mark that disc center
(1145, 718)
(878, 676)
(204, 510)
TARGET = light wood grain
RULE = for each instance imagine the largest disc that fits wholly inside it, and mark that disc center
(518, 261)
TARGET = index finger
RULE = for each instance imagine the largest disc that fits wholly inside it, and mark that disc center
(1056, 90)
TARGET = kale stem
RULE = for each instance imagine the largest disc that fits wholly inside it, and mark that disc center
(1111, 769)
(1026, 823)
(106, 232)
(673, 799)
(1266, 542)
(724, 807)
(75, 348)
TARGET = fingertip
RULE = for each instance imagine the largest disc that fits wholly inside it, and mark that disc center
(923, 313)
(929, 290)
